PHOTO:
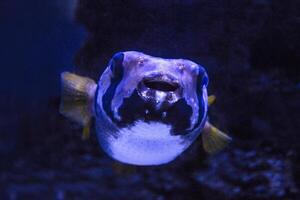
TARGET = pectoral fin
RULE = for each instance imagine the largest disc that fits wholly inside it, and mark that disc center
(77, 97)
(86, 131)
(211, 99)
(213, 139)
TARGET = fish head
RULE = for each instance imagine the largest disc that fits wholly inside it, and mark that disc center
(150, 109)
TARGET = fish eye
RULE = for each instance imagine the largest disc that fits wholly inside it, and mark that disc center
(117, 65)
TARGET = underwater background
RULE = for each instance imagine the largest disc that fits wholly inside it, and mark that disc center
(250, 48)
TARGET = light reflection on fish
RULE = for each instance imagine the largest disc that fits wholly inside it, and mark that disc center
(147, 110)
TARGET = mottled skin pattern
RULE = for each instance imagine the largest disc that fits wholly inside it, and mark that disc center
(149, 110)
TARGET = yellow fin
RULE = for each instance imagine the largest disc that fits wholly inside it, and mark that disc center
(86, 132)
(213, 139)
(77, 97)
(211, 99)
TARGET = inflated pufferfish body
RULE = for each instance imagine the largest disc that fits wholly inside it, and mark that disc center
(148, 110)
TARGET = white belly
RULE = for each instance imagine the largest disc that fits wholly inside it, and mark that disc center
(146, 144)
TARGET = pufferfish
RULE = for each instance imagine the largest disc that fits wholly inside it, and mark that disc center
(147, 110)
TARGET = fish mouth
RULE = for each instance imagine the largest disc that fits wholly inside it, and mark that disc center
(160, 87)
(160, 84)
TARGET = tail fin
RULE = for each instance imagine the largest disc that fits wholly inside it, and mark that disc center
(213, 139)
(77, 97)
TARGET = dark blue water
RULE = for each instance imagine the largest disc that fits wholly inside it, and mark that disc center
(39, 40)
